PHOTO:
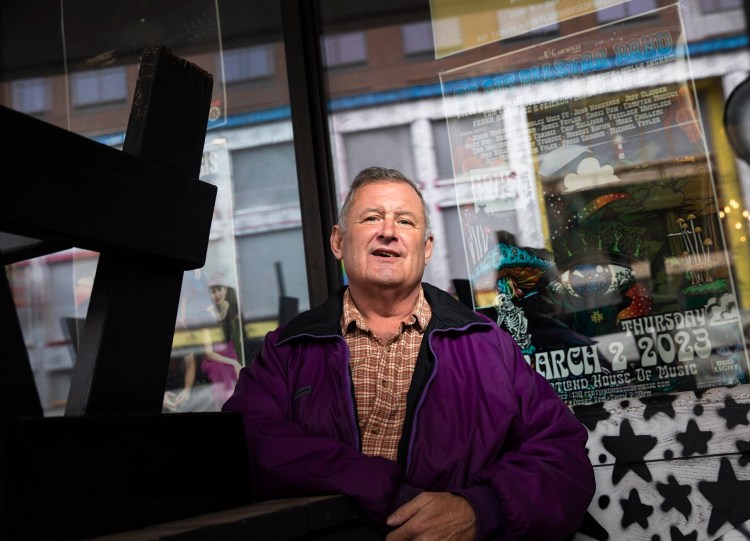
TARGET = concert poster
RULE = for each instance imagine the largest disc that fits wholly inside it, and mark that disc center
(589, 214)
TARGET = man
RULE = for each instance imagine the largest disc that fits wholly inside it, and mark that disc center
(394, 393)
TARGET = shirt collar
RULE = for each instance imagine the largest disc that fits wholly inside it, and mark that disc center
(419, 317)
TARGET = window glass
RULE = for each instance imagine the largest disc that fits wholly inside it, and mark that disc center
(265, 176)
(442, 149)
(31, 96)
(98, 87)
(248, 63)
(255, 255)
(713, 6)
(390, 100)
(524, 22)
(417, 38)
(475, 132)
(626, 9)
(366, 148)
(273, 260)
(344, 49)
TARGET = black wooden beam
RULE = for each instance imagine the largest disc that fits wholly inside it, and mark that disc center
(15, 248)
(127, 337)
(99, 198)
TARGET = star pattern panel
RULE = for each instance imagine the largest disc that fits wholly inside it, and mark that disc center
(670, 467)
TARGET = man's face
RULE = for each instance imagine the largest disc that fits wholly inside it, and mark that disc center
(384, 244)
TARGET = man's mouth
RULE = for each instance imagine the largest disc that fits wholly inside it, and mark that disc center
(383, 253)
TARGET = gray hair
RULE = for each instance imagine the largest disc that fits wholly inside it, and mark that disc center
(373, 175)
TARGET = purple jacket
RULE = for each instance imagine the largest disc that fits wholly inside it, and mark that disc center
(480, 423)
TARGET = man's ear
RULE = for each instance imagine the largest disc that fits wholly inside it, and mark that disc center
(428, 250)
(336, 240)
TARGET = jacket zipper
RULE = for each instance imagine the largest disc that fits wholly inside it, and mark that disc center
(350, 400)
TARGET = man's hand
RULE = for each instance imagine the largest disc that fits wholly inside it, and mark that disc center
(441, 516)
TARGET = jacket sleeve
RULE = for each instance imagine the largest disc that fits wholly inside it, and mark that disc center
(286, 460)
(543, 481)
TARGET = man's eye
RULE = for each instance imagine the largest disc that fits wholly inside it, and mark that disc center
(370, 219)
(406, 223)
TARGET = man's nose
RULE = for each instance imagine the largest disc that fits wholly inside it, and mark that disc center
(388, 229)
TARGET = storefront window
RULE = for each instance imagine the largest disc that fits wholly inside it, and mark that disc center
(31, 96)
(587, 139)
(255, 250)
(582, 182)
(98, 87)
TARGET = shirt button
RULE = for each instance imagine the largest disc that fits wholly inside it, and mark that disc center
(375, 431)
(384, 383)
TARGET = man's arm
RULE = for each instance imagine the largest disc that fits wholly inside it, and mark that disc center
(288, 459)
(544, 483)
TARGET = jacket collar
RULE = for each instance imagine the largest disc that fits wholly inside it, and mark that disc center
(323, 321)
(447, 312)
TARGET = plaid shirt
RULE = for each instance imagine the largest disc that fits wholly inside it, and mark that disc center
(382, 372)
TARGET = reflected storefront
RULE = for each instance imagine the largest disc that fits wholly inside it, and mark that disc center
(623, 249)
(85, 84)
(581, 177)
(577, 166)
(575, 161)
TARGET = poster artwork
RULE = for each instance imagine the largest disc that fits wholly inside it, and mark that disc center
(624, 289)
(460, 26)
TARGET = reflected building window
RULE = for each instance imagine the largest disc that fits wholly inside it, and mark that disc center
(346, 49)
(442, 149)
(99, 87)
(265, 176)
(387, 147)
(276, 262)
(268, 226)
(248, 64)
(708, 7)
(417, 38)
(31, 96)
(626, 9)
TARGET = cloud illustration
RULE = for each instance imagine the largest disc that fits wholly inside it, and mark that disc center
(589, 174)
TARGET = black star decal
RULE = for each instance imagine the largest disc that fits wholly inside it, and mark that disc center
(629, 450)
(726, 496)
(658, 404)
(677, 535)
(675, 496)
(734, 413)
(694, 440)
(635, 511)
(744, 448)
(591, 414)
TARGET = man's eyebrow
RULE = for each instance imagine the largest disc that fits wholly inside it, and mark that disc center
(398, 212)
(371, 209)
